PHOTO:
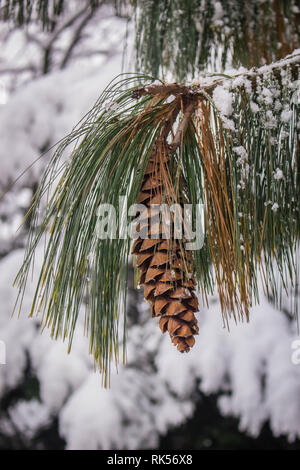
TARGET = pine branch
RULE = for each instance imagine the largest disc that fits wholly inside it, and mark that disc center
(169, 89)
(77, 36)
(187, 114)
(183, 37)
(235, 149)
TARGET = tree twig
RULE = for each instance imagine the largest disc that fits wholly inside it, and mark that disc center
(76, 38)
(176, 89)
(48, 48)
(182, 126)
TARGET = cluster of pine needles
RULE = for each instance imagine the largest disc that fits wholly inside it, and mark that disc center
(246, 236)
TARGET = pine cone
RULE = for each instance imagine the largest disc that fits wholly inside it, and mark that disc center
(165, 267)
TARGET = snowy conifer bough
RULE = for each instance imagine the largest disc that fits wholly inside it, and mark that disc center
(230, 142)
(253, 369)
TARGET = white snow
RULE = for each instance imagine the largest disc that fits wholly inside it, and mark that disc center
(218, 14)
(223, 100)
(241, 151)
(92, 417)
(29, 417)
(254, 107)
(277, 105)
(228, 124)
(278, 174)
(286, 115)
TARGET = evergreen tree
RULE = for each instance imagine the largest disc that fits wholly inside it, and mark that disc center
(226, 139)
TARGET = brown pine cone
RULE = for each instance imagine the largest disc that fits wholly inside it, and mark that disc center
(165, 267)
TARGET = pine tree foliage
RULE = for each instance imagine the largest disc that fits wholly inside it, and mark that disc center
(237, 153)
(188, 36)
